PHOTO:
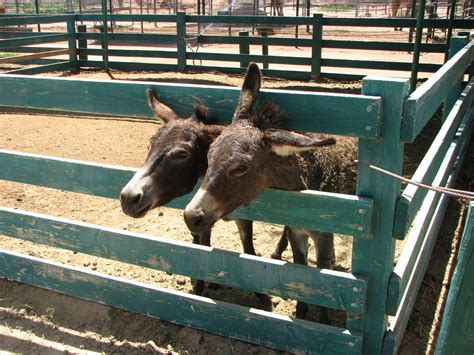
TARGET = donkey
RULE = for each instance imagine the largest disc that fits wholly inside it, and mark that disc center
(276, 7)
(177, 158)
(246, 159)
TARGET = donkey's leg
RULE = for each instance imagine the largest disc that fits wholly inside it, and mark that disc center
(299, 245)
(203, 238)
(246, 237)
(325, 258)
(282, 244)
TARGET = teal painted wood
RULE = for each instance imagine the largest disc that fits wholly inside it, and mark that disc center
(456, 44)
(345, 114)
(82, 43)
(244, 51)
(398, 325)
(373, 258)
(264, 328)
(416, 242)
(33, 20)
(130, 66)
(181, 45)
(245, 58)
(29, 49)
(127, 17)
(24, 41)
(251, 20)
(337, 290)
(412, 197)
(379, 45)
(13, 34)
(59, 66)
(373, 64)
(265, 50)
(105, 36)
(420, 24)
(129, 37)
(457, 331)
(274, 41)
(71, 30)
(316, 46)
(344, 214)
(132, 53)
(422, 104)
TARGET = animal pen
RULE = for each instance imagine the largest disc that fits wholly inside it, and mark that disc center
(385, 116)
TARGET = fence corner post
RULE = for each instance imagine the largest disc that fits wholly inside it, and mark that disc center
(316, 46)
(265, 49)
(373, 258)
(181, 44)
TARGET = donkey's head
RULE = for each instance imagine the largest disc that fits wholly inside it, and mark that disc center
(244, 160)
(176, 159)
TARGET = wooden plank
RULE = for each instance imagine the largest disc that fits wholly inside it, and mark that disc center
(456, 335)
(374, 258)
(375, 64)
(344, 214)
(24, 41)
(130, 66)
(59, 66)
(21, 58)
(32, 20)
(131, 53)
(130, 37)
(337, 290)
(127, 17)
(424, 101)
(316, 46)
(412, 196)
(381, 45)
(250, 57)
(345, 114)
(247, 324)
(416, 242)
(250, 20)
(274, 41)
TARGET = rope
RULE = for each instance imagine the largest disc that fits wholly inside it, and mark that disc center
(458, 194)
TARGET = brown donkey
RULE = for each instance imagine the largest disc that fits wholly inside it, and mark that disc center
(177, 158)
(246, 159)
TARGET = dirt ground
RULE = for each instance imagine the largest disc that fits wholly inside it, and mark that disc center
(38, 321)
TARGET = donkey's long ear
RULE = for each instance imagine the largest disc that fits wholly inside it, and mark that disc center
(249, 92)
(160, 110)
(286, 143)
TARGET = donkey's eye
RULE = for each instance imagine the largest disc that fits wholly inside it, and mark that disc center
(239, 170)
(179, 154)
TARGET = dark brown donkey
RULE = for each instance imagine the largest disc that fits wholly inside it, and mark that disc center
(245, 159)
(176, 160)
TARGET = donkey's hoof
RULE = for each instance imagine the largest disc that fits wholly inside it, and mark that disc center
(276, 256)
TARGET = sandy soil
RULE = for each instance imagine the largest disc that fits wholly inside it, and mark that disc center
(39, 321)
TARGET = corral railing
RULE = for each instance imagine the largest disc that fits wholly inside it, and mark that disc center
(384, 117)
(180, 50)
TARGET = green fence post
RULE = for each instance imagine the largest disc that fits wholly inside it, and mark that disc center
(71, 30)
(105, 37)
(316, 46)
(82, 43)
(373, 258)
(457, 43)
(265, 49)
(181, 44)
(244, 49)
(416, 51)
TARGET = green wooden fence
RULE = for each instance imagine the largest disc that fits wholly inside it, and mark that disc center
(456, 335)
(384, 117)
(183, 57)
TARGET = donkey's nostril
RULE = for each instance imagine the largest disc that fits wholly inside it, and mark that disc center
(193, 218)
(131, 198)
